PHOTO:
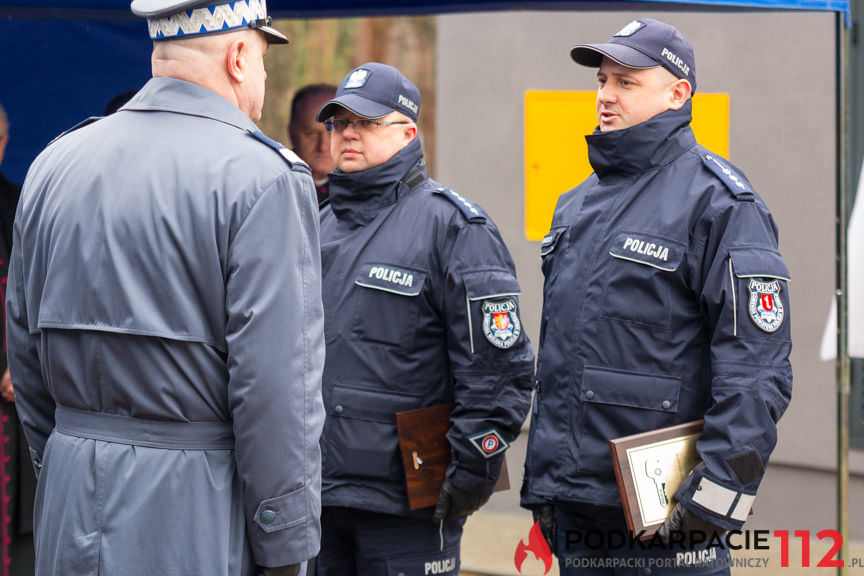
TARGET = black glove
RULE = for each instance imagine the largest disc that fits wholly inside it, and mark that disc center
(292, 570)
(545, 515)
(453, 502)
(687, 529)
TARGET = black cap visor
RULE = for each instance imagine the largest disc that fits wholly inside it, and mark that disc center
(272, 35)
(591, 55)
(355, 103)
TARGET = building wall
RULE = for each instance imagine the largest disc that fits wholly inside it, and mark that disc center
(779, 69)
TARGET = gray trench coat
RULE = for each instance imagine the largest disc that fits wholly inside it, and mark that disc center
(166, 343)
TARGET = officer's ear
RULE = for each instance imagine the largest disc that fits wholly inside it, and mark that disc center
(410, 131)
(679, 92)
(238, 57)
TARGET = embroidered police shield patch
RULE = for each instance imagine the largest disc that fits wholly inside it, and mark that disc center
(489, 443)
(766, 307)
(501, 324)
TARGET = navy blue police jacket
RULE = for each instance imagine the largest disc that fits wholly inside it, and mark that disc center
(421, 307)
(665, 301)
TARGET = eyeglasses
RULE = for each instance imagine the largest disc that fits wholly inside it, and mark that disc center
(358, 124)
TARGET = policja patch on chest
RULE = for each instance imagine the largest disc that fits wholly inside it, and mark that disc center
(765, 306)
(501, 324)
(393, 279)
(661, 253)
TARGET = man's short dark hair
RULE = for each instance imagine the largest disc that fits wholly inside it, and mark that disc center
(306, 92)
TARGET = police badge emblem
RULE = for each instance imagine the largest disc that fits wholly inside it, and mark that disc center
(357, 78)
(630, 29)
(501, 324)
(766, 307)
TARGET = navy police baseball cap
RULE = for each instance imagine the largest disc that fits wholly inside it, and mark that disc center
(172, 19)
(373, 90)
(643, 43)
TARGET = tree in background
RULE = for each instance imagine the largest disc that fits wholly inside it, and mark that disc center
(325, 50)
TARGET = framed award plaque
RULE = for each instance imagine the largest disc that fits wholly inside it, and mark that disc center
(649, 468)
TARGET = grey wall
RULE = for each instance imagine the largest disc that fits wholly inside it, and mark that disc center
(779, 71)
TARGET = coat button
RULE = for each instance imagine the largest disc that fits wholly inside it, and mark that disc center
(338, 409)
(589, 394)
(666, 404)
(268, 516)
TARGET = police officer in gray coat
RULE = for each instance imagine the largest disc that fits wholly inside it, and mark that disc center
(165, 321)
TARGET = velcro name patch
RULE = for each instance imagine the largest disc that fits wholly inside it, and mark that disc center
(650, 250)
(391, 278)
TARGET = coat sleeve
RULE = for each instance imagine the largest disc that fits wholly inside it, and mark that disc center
(274, 334)
(491, 359)
(33, 399)
(744, 295)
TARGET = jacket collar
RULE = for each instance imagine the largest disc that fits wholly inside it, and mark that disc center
(650, 144)
(182, 97)
(359, 196)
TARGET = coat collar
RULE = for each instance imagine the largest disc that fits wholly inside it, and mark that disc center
(182, 97)
(359, 196)
(650, 144)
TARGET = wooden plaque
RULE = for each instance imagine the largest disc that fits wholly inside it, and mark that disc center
(649, 468)
(426, 454)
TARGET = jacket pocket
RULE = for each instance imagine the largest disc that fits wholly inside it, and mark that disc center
(549, 246)
(360, 439)
(760, 291)
(614, 403)
(388, 303)
(638, 275)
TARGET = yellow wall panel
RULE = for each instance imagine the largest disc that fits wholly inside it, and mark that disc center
(556, 155)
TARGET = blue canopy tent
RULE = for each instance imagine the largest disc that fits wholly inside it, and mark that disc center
(64, 60)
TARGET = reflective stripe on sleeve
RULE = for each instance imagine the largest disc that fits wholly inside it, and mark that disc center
(742, 508)
(714, 497)
(722, 500)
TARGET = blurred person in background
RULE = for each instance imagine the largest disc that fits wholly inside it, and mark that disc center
(310, 139)
(16, 472)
